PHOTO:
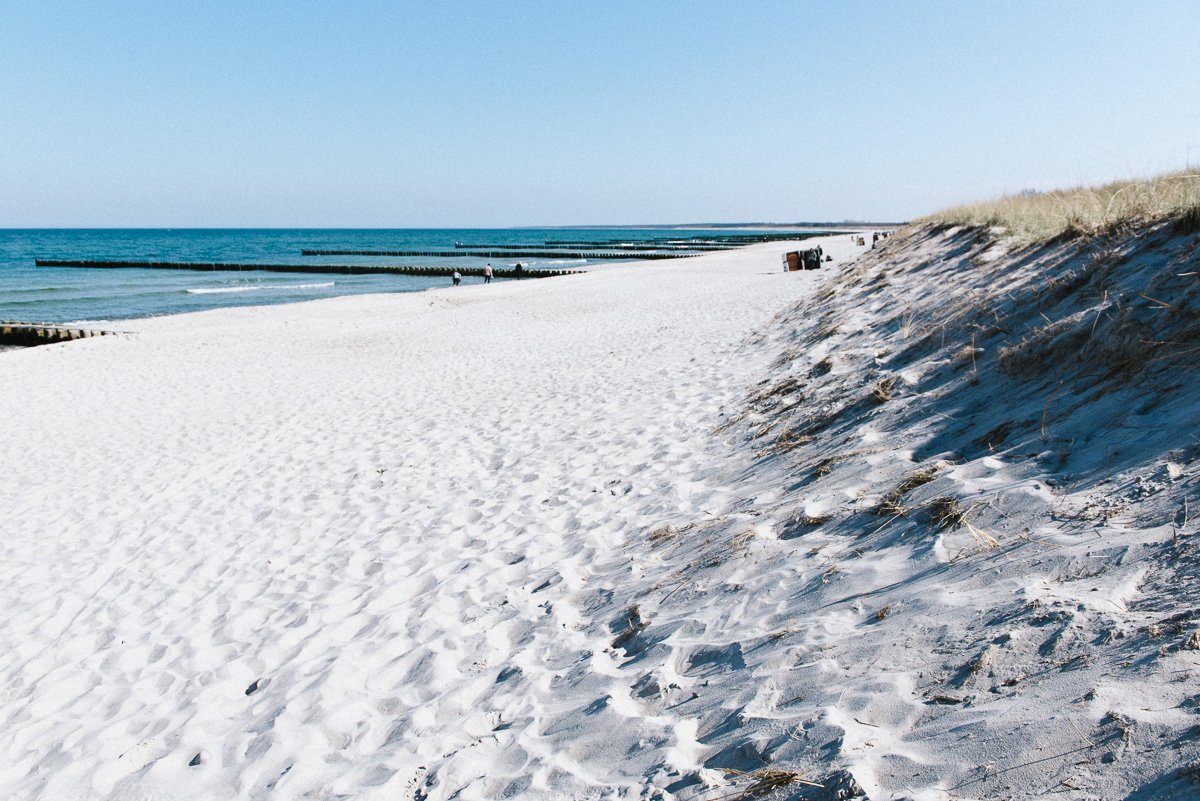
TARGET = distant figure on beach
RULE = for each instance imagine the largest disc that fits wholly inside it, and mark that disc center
(520, 268)
(457, 278)
(811, 258)
(487, 273)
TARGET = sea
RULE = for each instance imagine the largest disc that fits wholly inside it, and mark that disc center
(29, 293)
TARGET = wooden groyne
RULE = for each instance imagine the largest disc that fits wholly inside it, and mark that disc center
(730, 240)
(499, 254)
(29, 334)
(631, 249)
(307, 269)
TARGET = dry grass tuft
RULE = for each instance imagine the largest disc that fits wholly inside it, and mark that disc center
(632, 625)
(1113, 340)
(946, 513)
(790, 440)
(772, 395)
(890, 506)
(985, 540)
(662, 534)
(883, 391)
(824, 467)
(968, 354)
(740, 543)
(1189, 221)
(993, 439)
(1085, 211)
(822, 367)
(766, 781)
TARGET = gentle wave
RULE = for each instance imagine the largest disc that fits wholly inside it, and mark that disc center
(256, 287)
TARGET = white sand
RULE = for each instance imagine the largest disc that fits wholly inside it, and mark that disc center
(622, 535)
(407, 517)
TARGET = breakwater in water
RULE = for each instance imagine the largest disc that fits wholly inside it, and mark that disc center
(308, 269)
(24, 335)
(632, 250)
(499, 254)
(693, 242)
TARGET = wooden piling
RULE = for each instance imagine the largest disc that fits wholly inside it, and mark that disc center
(501, 254)
(634, 249)
(30, 334)
(307, 269)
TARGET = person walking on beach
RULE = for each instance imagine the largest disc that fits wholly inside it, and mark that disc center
(487, 273)
(457, 278)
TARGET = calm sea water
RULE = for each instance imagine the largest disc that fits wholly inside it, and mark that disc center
(62, 294)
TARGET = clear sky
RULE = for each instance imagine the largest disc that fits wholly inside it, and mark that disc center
(394, 114)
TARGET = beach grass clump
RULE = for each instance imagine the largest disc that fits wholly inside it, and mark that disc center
(662, 534)
(891, 505)
(1112, 340)
(945, 512)
(968, 354)
(790, 440)
(1189, 221)
(884, 390)
(1083, 211)
(784, 388)
(766, 781)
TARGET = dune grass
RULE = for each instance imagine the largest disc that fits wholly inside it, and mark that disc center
(1041, 216)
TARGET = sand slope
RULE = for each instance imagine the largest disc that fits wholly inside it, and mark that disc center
(990, 461)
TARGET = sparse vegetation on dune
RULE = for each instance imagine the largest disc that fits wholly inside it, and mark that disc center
(979, 460)
(1041, 216)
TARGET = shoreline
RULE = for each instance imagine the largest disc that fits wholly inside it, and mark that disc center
(31, 293)
(567, 271)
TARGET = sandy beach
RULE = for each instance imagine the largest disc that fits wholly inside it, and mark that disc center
(367, 545)
(917, 525)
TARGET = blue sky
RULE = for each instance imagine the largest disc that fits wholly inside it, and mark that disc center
(364, 114)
